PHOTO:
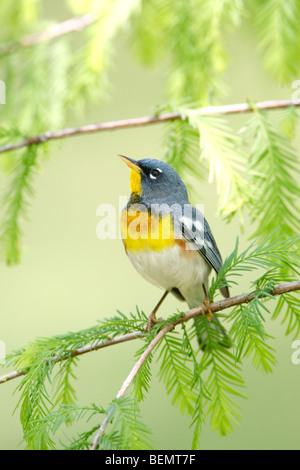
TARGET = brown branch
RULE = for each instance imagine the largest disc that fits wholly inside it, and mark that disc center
(54, 31)
(188, 315)
(78, 352)
(147, 120)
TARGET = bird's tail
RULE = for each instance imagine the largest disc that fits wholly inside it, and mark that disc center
(211, 332)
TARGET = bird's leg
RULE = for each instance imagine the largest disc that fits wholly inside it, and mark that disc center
(152, 317)
(206, 304)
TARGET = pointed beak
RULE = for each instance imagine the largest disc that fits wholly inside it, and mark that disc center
(133, 164)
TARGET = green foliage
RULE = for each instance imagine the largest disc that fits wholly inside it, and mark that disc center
(50, 80)
(278, 30)
(127, 431)
(223, 384)
(16, 202)
(288, 124)
(273, 165)
(38, 359)
(176, 373)
(141, 382)
(277, 260)
(60, 76)
(200, 145)
(42, 412)
(182, 153)
(168, 29)
(182, 371)
(65, 393)
(225, 157)
(63, 75)
(249, 335)
(291, 304)
(207, 386)
(44, 429)
(133, 434)
(19, 17)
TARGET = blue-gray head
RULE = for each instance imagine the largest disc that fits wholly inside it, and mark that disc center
(153, 181)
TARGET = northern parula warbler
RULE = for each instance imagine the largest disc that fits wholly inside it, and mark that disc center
(169, 242)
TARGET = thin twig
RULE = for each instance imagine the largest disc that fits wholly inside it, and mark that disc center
(129, 380)
(53, 32)
(188, 315)
(78, 352)
(147, 120)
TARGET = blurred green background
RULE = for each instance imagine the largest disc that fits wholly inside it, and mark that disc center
(69, 279)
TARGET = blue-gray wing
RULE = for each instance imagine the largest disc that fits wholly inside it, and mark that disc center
(194, 228)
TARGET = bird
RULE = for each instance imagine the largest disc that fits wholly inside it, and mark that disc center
(169, 242)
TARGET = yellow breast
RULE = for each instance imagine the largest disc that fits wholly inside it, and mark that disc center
(142, 231)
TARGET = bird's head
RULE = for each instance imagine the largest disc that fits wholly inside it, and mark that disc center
(155, 182)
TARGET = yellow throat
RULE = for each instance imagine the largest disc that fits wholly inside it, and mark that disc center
(135, 181)
(140, 229)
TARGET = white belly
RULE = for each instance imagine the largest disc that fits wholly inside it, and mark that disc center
(168, 269)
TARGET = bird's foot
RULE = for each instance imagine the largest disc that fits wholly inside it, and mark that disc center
(151, 321)
(206, 306)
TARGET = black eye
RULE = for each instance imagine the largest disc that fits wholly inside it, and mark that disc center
(155, 173)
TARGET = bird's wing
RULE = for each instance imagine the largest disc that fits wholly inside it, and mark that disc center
(193, 227)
